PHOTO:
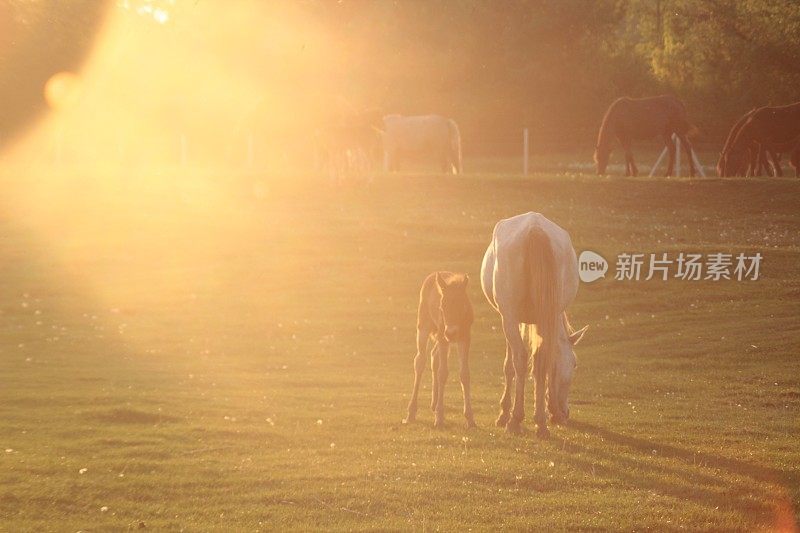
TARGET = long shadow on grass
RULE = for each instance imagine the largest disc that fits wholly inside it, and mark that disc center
(741, 468)
(728, 494)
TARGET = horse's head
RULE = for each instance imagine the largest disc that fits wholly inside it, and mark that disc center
(721, 165)
(601, 155)
(733, 163)
(455, 307)
(566, 363)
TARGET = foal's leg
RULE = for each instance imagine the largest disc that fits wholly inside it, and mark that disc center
(419, 365)
(670, 144)
(444, 348)
(519, 354)
(463, 354)
(435, 362)
(505, 401)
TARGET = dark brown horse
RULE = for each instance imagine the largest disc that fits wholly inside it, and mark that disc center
(629, 119)
(758, 160)
(445, 316)
(775, 129)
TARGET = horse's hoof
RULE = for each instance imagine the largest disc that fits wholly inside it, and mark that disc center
(470, 423)
(502, 420)
(542, 432)
(438, 423)
(409, 419)
(514, 427)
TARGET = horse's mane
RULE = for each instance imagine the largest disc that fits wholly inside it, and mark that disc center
(735, 129)
(723, 155)
(604, 137)
(744, 136)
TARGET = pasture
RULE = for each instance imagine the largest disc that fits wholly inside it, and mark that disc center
(178, 356)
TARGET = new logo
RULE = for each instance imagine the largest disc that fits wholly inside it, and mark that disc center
(591, 266)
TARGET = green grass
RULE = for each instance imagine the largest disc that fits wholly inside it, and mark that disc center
(220, 363)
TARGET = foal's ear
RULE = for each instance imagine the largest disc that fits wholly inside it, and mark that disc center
(576, 337)
(440, 283)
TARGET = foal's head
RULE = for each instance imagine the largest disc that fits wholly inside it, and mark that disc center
(455, 306)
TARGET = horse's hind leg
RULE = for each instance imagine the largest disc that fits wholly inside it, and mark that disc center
(520, 357)
(505, 401)
(540, 382)
(444, 348)
(419, 366)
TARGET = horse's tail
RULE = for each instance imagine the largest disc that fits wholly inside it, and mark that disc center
(543, 292)
(455, 145)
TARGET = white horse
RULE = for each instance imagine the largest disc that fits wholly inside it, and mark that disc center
(424, 135)
(530, 275)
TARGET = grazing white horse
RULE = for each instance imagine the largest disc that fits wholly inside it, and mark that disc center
(428, 135)
(530, 275)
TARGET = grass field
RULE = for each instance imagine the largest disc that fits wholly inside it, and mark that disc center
(178, 356)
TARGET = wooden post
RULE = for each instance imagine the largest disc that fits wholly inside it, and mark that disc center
(525, 151)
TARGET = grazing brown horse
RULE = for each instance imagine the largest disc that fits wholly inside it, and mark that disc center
(629, 119)
(775, 129)
(756, 163)
(445, 316)
(350, 145)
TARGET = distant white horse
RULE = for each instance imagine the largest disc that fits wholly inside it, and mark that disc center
(530, 276)
(424, 135)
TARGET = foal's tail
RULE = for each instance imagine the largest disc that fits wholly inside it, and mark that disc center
(455, 145)
(543, 294)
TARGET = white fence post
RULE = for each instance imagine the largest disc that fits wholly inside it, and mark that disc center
(525, 151)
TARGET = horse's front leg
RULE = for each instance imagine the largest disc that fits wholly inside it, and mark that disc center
(419, 366)
(519, 354)
(776, 163)
(670, 145)
(687, 147)
(463, 355)
(444, 348)
(630, 165)
(505, 401)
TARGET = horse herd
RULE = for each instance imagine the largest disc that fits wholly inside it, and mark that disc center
(355, 146)
(529, 275)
